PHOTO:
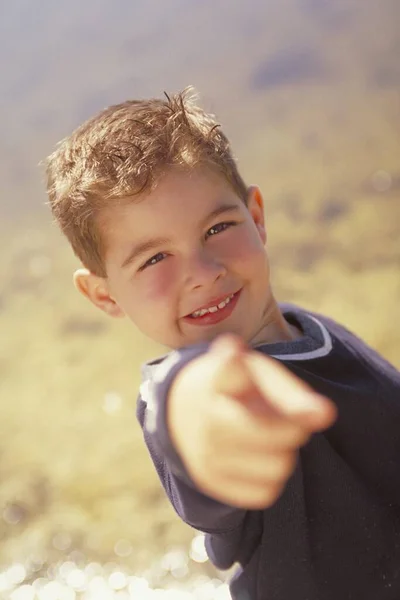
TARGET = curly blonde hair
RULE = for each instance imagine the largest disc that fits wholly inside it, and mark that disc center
(123, 152)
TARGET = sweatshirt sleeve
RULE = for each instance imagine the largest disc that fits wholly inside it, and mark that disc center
(195, 508)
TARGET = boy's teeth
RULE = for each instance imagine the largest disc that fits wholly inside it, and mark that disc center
(212, 309)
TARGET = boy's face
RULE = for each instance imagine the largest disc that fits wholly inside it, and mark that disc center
(188, 246)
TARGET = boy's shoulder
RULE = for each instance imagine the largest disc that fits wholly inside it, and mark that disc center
(342, 345)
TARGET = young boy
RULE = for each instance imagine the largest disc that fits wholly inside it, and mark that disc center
(273, 430)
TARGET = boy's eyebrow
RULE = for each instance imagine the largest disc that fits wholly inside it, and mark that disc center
(143, 248)
(223, 208)
(157, 242)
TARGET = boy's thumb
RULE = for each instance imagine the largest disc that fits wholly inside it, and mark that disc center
(232, 375)
(227, 345)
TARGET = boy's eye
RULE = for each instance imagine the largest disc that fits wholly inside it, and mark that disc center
(153, 260)
(219, 227)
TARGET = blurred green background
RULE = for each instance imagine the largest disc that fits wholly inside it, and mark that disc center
(309, 92)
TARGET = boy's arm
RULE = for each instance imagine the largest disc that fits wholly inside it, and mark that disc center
(228, 422)
(194, 507)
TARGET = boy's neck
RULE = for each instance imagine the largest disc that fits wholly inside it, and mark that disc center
(276, 328)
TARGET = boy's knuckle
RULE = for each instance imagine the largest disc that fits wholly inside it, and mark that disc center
(289, 463)
(303, 437)
(268, 495)
(297, 437)
(281, 466)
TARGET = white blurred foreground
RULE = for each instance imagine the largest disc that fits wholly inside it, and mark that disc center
(170, 578)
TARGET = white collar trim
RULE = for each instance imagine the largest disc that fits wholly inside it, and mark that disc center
(317, 353)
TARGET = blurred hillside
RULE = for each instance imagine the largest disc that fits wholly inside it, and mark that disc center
(308, 90)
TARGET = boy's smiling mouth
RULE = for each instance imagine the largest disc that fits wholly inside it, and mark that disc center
(217, 306)
(214, 311)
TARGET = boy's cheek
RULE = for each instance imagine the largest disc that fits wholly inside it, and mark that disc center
(245, 250)
(158, 284)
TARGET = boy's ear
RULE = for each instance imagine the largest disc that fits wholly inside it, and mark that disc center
(96, 289)
(255, 205)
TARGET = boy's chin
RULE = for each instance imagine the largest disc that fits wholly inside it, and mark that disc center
(209, 335)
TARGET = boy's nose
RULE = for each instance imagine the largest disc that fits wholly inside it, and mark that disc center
(203, 270)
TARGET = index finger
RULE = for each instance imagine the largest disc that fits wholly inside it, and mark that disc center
(289, 395)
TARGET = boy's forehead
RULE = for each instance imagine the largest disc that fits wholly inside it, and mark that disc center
(179, 196)
(190, 184)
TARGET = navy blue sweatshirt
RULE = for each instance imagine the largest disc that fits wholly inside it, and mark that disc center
(334, 534)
